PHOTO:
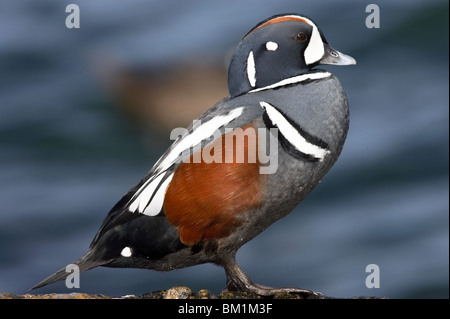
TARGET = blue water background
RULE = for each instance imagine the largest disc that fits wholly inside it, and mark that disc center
(67, 153)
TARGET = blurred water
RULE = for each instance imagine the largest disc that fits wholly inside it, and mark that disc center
(67, 154)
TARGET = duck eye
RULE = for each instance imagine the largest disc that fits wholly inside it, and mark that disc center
(301, 36)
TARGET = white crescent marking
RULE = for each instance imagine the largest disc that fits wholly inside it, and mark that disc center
(251, 69)
(291, 134)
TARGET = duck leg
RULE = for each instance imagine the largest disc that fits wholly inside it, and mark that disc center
(238, 280)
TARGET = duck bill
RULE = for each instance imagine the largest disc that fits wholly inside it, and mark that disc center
(334, 57)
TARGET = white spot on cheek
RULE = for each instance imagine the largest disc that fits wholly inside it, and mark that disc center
(271, 46)
(126, 252)
(251, 69)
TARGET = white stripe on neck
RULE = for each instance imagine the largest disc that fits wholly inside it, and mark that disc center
(293, 80)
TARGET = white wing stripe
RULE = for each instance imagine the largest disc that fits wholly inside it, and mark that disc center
(149, 198)
(157, 202)
(146, 192)
(203, 132)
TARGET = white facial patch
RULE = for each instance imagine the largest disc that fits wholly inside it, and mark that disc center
(315, 49)
(271, 46)
(126, 252)
(251, 69)
(149, 198)
(291, 134)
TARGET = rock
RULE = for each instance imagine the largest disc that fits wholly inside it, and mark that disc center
(54, 296)
(204, 294)
(178, 293)
(172, 293)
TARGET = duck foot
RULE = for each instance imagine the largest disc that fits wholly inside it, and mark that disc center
(238, 280)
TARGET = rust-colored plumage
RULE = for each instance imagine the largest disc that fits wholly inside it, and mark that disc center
(205, 200)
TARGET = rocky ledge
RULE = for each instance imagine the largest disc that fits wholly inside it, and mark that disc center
(172, 293)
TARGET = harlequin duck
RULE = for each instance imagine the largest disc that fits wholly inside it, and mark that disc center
(245, 163)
